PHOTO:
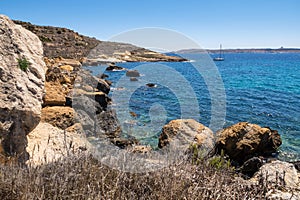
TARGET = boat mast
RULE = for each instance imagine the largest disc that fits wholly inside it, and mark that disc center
(220, 51)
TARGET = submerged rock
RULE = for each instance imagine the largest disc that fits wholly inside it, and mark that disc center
(243, 141)
(133, 79)
(186, 132)
(22, 72)
(132, 73)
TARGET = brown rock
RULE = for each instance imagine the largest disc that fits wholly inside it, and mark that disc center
(54, 74)
(123, 142)
(244, 140)
(55, 95)
(184, 132)
(59, 116)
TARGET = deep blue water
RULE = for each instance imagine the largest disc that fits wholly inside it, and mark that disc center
(260, 88)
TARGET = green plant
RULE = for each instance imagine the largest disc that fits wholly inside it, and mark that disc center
(219, 162)
(196, 154)
(23, 64)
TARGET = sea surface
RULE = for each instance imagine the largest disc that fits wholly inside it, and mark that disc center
(260, 88)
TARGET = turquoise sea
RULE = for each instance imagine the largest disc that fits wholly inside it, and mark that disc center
(259, 88)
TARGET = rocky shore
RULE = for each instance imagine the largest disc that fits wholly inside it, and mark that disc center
(51, 108)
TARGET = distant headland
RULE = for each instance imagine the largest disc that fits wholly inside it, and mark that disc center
(252, 50)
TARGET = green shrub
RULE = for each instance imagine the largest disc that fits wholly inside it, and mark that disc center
(219, 162)
(45, 39)
(196, 154)
(23, 64)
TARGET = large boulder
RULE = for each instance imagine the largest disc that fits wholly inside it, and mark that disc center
(22, 72)
(280, 179)
(86, 78)
(186, 132)
(278, 173)
(47, 143)
(244, 140)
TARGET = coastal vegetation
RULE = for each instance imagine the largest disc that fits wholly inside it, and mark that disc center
(83, 177)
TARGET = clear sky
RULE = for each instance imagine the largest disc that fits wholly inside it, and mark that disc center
(234, 23)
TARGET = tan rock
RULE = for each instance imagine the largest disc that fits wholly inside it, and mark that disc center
(63, 61)
(244, 140)
(185, 132)
(55, 95)
(47, 143)
(66, 80)
(67, 68)
(59, 116)
(77, 127)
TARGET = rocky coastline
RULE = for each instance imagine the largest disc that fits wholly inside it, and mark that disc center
(39, 123)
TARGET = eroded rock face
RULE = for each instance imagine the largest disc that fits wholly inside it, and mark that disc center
(59, 116)
(184, 132)
(21, 91)
(244, 140)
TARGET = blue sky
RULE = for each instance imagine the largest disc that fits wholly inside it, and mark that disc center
(234, 23)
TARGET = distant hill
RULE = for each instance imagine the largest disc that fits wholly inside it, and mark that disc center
(264, 50)
(66, 43)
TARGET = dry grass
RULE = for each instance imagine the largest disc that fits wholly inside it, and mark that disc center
(83, 177)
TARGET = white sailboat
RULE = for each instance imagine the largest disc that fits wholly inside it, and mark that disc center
(220, 58)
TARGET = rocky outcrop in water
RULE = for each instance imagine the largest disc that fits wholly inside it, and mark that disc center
(133, 73)
(22, 74)
(186, 132)
(243, 141)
